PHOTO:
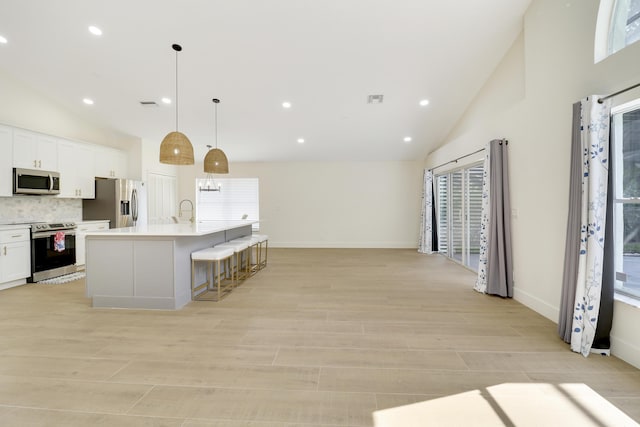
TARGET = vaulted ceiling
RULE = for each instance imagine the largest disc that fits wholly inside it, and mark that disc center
(325, 57)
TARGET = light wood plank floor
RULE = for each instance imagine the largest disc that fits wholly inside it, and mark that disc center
(321, 337)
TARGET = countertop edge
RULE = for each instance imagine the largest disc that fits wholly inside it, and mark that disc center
(170, 230)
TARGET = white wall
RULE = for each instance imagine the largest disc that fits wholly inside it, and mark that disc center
(23, 107)
(332, 204)
(528, 100)
(150, 162)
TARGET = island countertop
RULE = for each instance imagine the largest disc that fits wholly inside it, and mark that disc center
(181, 229)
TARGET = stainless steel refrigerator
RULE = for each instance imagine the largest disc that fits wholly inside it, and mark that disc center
(122, 201)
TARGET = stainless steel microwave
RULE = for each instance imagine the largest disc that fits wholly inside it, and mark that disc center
(34, 181)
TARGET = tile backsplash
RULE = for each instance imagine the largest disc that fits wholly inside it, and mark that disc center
(39, 208)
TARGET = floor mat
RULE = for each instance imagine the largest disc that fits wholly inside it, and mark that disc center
(63, 279)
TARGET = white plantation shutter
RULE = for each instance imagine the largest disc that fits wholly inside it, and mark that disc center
(443, 214)
(238, 197)
(457, 215)
(458, 212)
(475, 206)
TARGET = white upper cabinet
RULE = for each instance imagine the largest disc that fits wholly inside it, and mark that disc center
(78, 163)
(110, 163)
(76, 166)
(33, 150)
(6, 148)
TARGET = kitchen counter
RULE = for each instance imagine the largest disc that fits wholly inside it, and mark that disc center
(180, 229)
(91, 221)
(149, 266)
(6, 227)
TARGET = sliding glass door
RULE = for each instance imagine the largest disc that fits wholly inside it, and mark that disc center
(459, 205)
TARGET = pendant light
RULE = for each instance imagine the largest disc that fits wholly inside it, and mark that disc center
(209, 183)
(216, 161)
(175, 148)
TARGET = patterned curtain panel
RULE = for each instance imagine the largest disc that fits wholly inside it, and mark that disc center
(425, 241)
(481, 281)
(495, 268)
(594, 137)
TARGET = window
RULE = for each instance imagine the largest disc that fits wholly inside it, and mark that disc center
(618, 26)
(237, 197)
(458, 211)
(625, 25)
(625, 130)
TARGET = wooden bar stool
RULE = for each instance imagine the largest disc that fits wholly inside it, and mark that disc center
(214, 288)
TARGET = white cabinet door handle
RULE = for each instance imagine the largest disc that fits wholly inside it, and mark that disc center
(5, 250)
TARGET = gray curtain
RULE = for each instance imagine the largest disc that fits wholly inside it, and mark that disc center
(586, 306)
(572, 243)
(495, 265)
(499, 257)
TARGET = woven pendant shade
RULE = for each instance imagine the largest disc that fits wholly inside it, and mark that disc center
(176, 149)
(216, 162)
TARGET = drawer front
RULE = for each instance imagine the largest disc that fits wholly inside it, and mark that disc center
(93, 227)
(17, 235)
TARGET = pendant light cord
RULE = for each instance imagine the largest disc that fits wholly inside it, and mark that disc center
(177, 91)
(216, 101)
(215, 112)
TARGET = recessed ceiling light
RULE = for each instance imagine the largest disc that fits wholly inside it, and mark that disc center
(95, 30)
(3, 40)
(300, 140)
(166, 100)
(88, 101)
(286, 104)
(424, 102)
(407, 139)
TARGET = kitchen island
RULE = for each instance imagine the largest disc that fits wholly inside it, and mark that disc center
(149, 266)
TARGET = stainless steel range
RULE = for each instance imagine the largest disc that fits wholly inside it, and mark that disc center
(53, 250)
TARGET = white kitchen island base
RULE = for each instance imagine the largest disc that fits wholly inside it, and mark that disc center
(150, 267)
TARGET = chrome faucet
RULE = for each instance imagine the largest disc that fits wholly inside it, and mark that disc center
(180, 209)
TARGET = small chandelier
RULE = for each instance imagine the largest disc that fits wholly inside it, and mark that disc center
(209, 183)
(175, 148)
(216, 161)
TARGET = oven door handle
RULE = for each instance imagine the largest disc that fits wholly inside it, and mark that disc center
(42, 234)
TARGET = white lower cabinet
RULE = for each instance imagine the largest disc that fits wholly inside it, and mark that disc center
(81, 231)
(15, 257)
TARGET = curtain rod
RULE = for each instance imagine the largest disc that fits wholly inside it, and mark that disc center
(601, 100)
(455, 160)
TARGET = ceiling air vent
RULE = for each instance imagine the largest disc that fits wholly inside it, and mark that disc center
(375, 99)
(149, 103)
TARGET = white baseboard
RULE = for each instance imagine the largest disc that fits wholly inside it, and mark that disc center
(12, 284)
(626, 351)
(536, 304)
(345, 245)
